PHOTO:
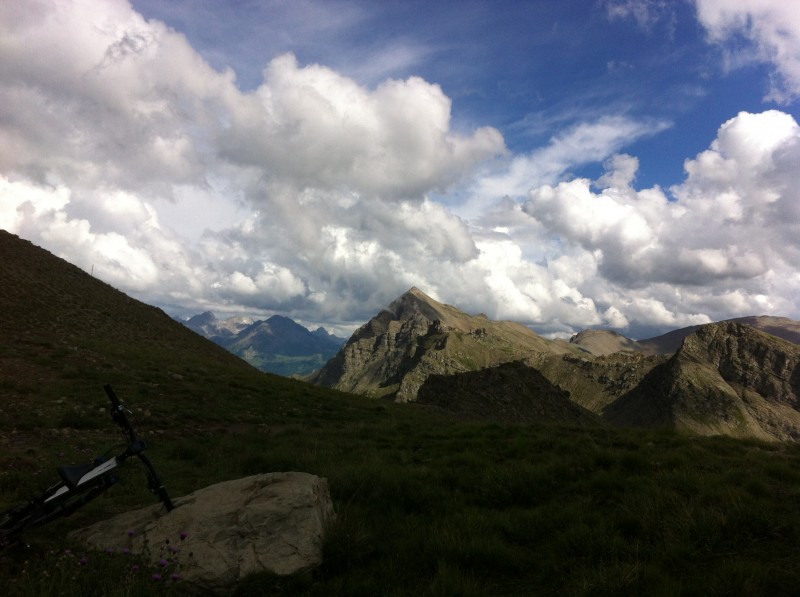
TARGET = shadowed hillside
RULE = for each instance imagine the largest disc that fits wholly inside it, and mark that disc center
(510, 392)
(65, 333)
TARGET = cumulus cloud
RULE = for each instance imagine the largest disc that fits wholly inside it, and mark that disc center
(712, 242)
(580, 144)
(323, 130)
(124, 152)
(771, 32)
(118, 141)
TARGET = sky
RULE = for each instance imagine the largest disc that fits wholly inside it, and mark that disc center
(621, 164)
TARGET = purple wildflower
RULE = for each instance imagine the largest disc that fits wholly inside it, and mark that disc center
(183, 535)
(83, 561)
(135, 568)
(156, 576)
(163, 563)
(174, 577)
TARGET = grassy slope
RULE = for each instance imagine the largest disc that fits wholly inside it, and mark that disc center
(426, 505)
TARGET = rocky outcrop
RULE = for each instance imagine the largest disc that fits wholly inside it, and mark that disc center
(215, 536)
(415, 336)
(726, 378)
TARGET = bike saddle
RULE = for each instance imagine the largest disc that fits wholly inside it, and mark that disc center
(72, 474)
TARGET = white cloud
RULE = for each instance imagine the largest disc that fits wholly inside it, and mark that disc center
(714, 244)
(116, 138)
(580, 144)
(313, 195)
(772, 30)
(646, 13)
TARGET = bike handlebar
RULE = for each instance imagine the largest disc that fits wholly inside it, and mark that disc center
(119, 416)
(136, 447)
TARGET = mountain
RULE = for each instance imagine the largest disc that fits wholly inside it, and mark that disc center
(594, 382)
(207, 325)
(277, 345)
(415, 336)
(668, 343)
(510, 392)
(603, 342)
(280, 345)
(727, 378)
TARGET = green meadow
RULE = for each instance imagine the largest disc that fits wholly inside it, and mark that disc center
(425, 505)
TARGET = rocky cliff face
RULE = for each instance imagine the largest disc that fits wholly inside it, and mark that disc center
(416, 336)
(726, 378)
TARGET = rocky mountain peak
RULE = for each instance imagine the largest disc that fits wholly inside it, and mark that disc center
(416, 336)
(202, 319)
(415, 303)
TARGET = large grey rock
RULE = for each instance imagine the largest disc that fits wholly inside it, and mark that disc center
(215, 536)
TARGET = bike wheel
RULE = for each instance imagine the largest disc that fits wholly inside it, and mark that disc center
(17, 521)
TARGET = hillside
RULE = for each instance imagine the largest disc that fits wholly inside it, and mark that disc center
(726, 378)
(594, 382)
(426, 504)
(509, 392)
(65, 333)
(419, 347)
(415, 336)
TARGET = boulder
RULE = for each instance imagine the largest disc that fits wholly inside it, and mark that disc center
(215, 536)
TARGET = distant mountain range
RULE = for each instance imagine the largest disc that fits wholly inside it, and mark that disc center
(740, 377)
(276, 345)
(66, 332)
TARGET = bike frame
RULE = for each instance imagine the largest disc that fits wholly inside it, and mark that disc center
(98, 471)
(81, 484)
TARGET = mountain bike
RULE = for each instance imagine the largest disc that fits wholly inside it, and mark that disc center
(80, 484)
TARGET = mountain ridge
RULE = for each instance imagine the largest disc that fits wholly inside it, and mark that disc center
(417, 347)
(393, 353)
(726, 378)
(276, 345)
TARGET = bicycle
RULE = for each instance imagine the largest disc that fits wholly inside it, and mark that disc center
(80, 484)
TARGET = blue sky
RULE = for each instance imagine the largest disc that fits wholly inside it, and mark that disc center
(629, 164)
(530, 69)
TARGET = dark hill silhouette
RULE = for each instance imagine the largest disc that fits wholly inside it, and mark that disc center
(510, 392)
(65, 333)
